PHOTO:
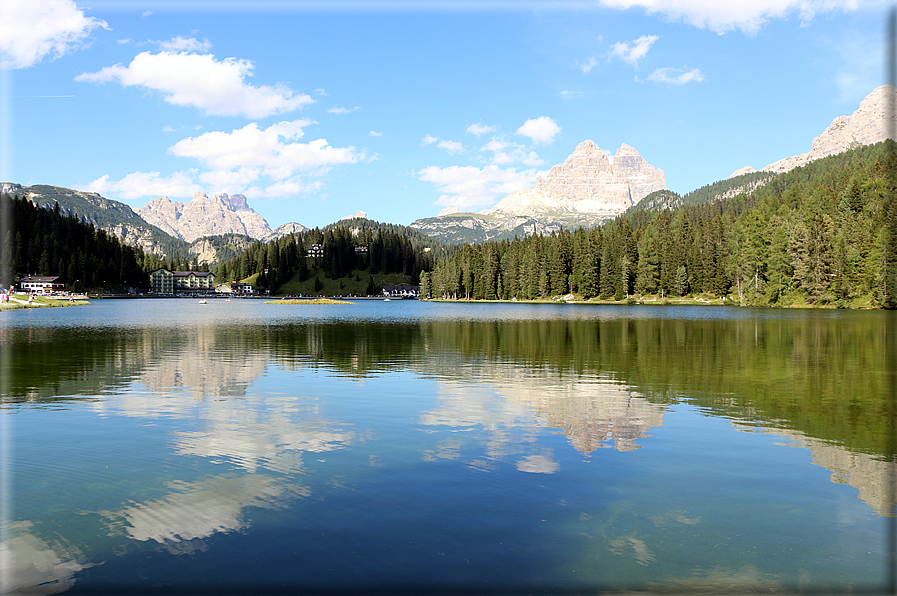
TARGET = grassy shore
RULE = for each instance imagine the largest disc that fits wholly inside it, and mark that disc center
(40, 302)
(695, 300)
(309, 301)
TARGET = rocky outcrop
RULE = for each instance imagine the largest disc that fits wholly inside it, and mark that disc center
(742, 171)
(866, 126)
(89, 207)
(205, 216)
(284, 230)
(587, 182)
(586, 190)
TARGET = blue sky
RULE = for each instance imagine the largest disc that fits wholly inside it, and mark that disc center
(314, 110)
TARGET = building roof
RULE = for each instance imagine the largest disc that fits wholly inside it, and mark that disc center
(184, 273)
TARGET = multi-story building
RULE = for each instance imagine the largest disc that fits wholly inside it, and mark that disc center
(33, 283)
(163, 281)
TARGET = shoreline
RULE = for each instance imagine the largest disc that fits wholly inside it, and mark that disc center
(654, 302)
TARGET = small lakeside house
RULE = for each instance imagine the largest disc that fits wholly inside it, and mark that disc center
(41, 285)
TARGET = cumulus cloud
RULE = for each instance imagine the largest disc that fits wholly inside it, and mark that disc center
(505, 153)
(185, 44)
(634, 51)
(31, 31)
(470, 188)
(374, 133)
(258, 162)
(147, 184)
(285, 188)
(215, 87)
(274, 150)
(479, 129)
(451, 146)
(676, 76)
(746, 15)
(541, 130)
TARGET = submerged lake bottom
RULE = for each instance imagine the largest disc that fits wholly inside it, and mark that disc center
(407, 447)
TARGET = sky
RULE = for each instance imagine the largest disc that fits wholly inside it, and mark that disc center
(399, 108)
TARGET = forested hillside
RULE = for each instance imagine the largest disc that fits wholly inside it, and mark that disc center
(819, 234)
(391, 249)
(45, 242)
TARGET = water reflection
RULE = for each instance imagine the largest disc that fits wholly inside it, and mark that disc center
(34, 565)
(192, 511)
(250, 440)
(242, 415)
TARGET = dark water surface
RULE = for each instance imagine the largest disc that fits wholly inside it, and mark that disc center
(404, 446)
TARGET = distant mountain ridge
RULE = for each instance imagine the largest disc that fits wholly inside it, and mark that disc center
(205, 216)
(112, 216)
(866, 126)
(122, 221)
(586, 190)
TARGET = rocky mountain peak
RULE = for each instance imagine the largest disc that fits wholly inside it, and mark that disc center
(866, 126)
(587, 182)
(205, 216)
(625, 150)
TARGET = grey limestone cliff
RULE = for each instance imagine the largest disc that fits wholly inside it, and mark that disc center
(205, 216)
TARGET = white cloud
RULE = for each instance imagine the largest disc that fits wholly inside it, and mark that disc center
(479, 129)
(728, 15)
(271, 160)
(185, 44)
(285, 188)
(588, 66)
(469, 188)
(272, 149)
(33, 30)
(374, 133)
(337, 110)
(541, 130)
(676, 76)
(451, 146)
(634, 51)
(228, 180)
(506, 153)
(146, 14)
(216, 87)
(147, 184)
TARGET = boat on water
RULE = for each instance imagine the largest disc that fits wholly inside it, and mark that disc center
(386, 300)
(203, 301)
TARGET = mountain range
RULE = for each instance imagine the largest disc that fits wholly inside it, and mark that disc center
(586, 190)
(589, 188)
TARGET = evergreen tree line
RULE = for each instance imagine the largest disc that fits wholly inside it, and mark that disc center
(284, 259)
(44, 242)
(824, 233)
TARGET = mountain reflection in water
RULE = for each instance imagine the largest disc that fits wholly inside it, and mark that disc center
(262, 415)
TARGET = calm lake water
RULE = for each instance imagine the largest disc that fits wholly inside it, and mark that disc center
(416, 447)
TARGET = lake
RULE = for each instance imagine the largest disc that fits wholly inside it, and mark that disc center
(412, 447)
